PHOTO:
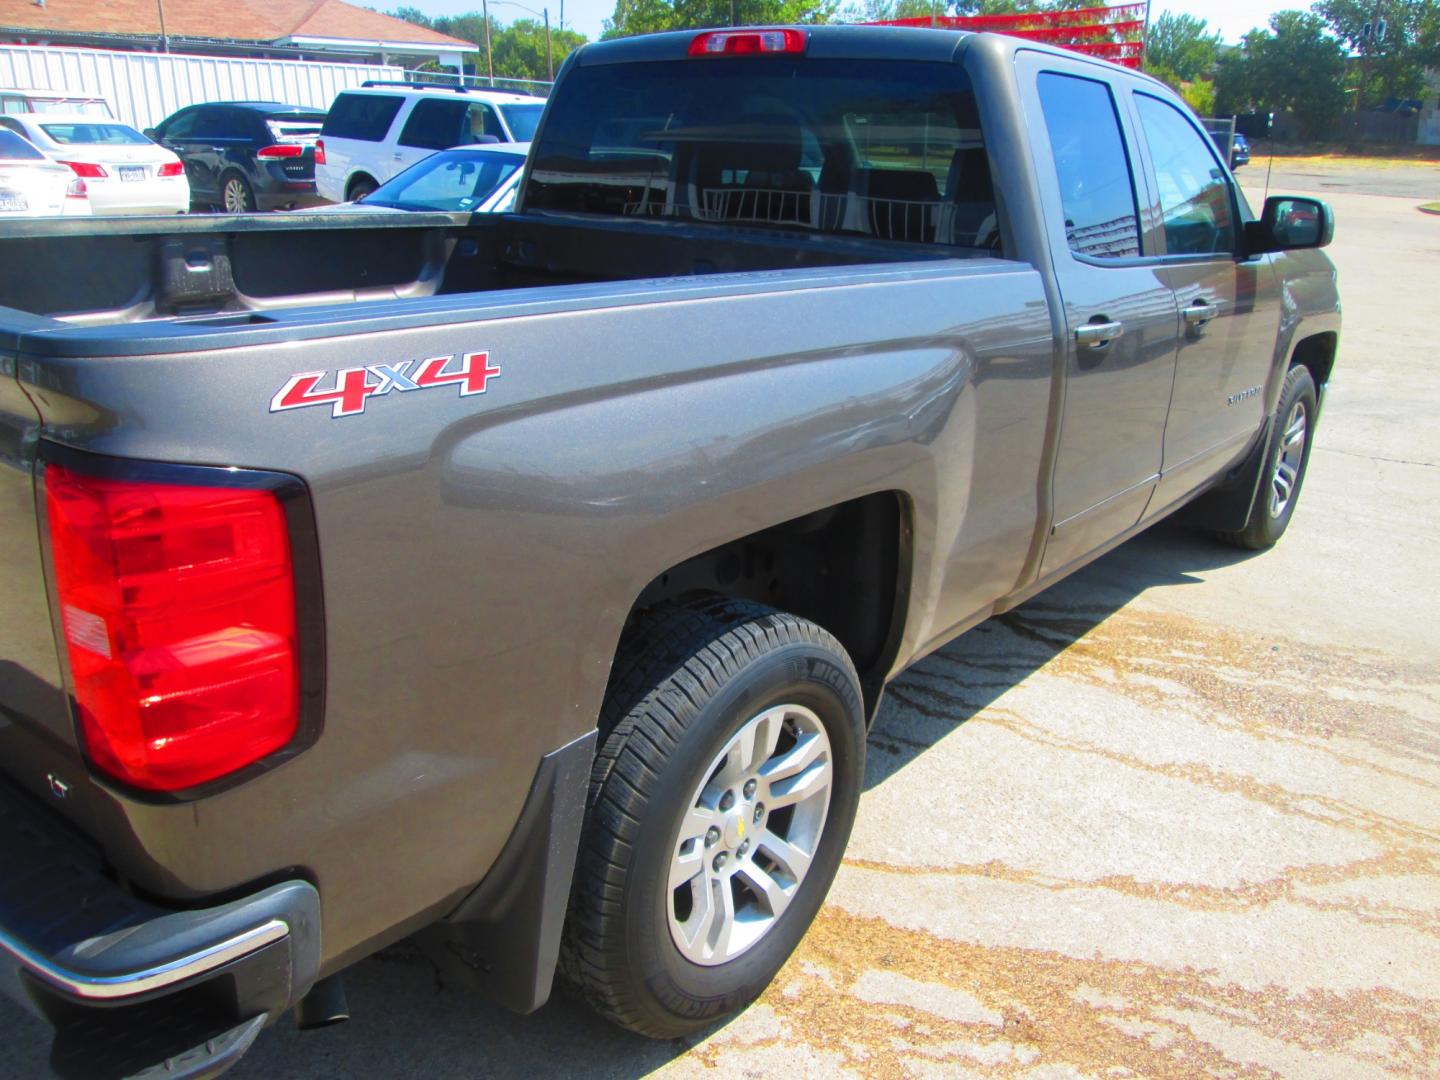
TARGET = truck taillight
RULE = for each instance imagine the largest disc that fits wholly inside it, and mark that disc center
(319, 151)
(179, 615)
(747, 42)
(88, 169)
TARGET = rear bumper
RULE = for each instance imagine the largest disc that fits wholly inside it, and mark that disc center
(102, 965)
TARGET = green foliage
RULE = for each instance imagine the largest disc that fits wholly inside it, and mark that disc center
(518, 49)
(649, 16)
(1200, 96)
(1394, 67)
(1180, 44)
(1294, 66)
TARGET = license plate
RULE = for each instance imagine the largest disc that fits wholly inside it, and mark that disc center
(13, 200)
(132, 172)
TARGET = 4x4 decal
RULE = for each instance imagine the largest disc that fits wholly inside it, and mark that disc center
(352, 388)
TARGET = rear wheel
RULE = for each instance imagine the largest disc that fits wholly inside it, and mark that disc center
(236, 196)
(360, 187)
(721, 801)
(1283, 468)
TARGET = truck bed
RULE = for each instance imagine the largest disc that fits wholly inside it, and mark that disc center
(240, 268)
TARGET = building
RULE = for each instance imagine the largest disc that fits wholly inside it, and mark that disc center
(324, 30)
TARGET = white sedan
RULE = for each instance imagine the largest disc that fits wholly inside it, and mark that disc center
(477, 179)
(31, 185)
(124, 171)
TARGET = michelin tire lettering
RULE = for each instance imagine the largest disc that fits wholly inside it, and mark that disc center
(351, 389)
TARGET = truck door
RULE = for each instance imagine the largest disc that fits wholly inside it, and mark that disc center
(1230, 307)
(1121, 322)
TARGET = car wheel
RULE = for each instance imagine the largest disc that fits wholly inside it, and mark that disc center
(360, 187)
(1283, 468)
(236, 196)
(733, 745)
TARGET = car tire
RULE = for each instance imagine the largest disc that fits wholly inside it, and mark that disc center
(236, 194)
(359, 188)
(1283, 466)
(690, 892)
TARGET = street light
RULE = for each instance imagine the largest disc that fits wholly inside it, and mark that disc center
(544, 13)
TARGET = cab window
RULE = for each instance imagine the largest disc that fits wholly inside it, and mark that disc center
(1193, 189)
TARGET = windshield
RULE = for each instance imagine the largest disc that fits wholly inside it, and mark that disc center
(111, 134)
(14, 148)
(523, 120)
(452, 180)
(866, 147)
(83, 106)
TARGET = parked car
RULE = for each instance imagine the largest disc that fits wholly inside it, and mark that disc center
(124, 172)
(14, 100)
(31, 185)
(246, 155)
(1239, 151)
(466, 179)
(529, 581)
(377, 131)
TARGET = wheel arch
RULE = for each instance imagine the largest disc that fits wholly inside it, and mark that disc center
(846, 567)
(355, 178)
(1317, 353)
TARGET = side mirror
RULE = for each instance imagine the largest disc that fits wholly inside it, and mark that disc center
(151, 134)
(1290, 223)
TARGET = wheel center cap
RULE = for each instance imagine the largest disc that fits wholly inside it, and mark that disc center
(737, 826)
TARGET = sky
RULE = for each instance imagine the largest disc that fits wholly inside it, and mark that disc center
(1233, 18)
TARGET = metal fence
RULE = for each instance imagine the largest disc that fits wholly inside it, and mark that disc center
(144, 88)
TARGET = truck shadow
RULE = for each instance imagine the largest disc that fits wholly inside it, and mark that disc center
(964, 677)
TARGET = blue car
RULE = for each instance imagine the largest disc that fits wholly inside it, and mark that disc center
(1239, 151)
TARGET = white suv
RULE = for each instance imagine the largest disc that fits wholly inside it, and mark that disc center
(380, 129)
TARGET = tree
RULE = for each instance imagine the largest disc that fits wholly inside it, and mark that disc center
(1392, 66)
(1180, 44)
(649, 16)
(519, 49)
(1294, 66)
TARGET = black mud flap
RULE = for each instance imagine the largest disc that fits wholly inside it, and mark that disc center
(503, 941)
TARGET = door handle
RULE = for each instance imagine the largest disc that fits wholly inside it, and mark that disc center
(1200, 312)
(1099, 334)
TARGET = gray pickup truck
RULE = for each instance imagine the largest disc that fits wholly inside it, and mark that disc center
(527, 582)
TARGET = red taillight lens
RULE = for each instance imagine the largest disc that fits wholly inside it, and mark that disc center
(76, 189)
(747, 42)
(280, 150)
(319, 151)
(87, 169)
(178, 606)
(171, 168)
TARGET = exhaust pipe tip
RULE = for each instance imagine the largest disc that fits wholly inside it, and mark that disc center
(324, 1005)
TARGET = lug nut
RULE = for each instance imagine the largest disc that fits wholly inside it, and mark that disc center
(712, 836)
(759, 812)
(727, 800)
(719, 862)
(750, 786)
(742, 849)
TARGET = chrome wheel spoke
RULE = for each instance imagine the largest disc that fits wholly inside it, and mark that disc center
(797, 789)
(791, 860)
(772, 895)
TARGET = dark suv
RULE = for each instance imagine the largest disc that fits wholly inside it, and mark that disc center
(246, 155)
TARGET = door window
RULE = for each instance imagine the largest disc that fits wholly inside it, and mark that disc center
(1194, 192)
(361, 116)
(436, 125)
(181, 127)
(1097, 190)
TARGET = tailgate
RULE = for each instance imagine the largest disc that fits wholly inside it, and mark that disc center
(37, 738)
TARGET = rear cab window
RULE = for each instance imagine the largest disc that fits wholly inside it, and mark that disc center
(885, 149)
(366, 117)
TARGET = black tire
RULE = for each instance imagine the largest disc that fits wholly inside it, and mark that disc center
(688, 677)
(359, 188)
(236, 194)
(1266, 524)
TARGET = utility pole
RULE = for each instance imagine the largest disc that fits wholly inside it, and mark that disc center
(549, 61)
(164, 37)
(489, 59)
(734, 12)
